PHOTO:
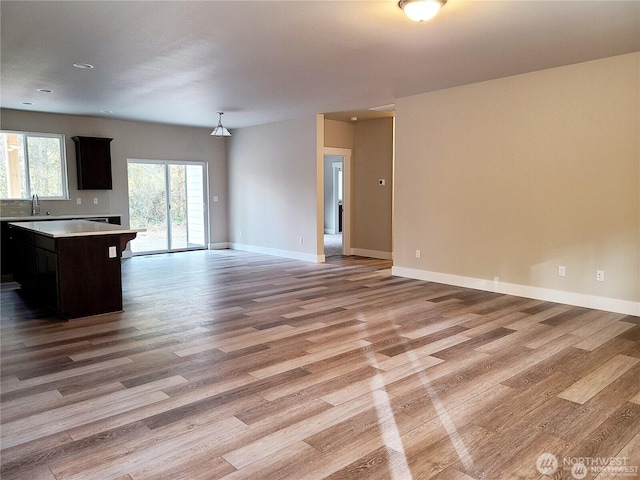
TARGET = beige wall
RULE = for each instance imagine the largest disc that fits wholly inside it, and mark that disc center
(130, 140)
(508, 179)
(338, 134)
(273, 185)
(371, 202)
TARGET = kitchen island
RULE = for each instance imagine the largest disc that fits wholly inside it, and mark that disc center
(6, 260)
(72, 266)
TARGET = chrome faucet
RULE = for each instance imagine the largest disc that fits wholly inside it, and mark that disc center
(35, 204)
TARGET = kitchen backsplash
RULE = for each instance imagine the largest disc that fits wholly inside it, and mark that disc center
(95, 203)
(15, 208)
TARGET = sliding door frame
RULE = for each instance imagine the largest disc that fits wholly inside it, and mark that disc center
(205, 186)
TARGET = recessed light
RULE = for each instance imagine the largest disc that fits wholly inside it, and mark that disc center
(109, 112)
(27, 103)
(353, 119)
(44, 90)
(84, 66)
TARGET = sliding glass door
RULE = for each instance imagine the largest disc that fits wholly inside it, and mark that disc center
(168, 202)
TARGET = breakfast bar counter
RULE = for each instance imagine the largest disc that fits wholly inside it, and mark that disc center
(72, 266)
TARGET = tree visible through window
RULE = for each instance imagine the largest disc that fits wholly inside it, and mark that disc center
(32, 163)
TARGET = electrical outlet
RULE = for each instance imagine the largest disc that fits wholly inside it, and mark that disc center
(113, 253)
(561, 271)
(301, 240)
(78, 201)
(417, 253)
(95, 200)
(600, 275)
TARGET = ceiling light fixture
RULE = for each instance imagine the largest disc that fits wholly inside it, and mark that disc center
(220, 131)
(390, 107)
(421, 10)
(83, 66)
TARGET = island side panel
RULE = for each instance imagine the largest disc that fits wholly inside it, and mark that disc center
(24, 257)
(90, 281)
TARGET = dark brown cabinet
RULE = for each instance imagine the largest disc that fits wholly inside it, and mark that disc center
(93, 161)
(76, 276)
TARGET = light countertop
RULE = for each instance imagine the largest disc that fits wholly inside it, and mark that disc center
(72, 228)
(47, 218)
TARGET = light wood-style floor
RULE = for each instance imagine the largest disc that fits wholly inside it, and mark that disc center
(235, 365)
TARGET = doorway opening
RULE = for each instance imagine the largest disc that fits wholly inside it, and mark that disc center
(168, 202)
(336, 201)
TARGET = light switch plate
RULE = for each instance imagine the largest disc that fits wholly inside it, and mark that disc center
(113, 253)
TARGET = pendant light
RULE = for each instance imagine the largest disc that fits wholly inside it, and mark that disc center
(421, 10)
(220, 131)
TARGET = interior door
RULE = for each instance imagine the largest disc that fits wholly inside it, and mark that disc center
(337, 196)
(168, 202)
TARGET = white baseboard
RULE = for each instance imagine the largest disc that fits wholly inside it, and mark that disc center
(305, 257)
(577, 299)
(308, 257)
(219, 246)
(363, 252)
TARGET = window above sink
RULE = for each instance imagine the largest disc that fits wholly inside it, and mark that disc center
(32, 164)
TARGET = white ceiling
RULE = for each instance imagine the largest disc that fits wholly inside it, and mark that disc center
(179, 62)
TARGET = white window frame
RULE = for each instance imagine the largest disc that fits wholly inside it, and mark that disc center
(63, 164)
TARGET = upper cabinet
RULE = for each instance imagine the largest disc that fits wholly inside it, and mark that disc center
(93, 159)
